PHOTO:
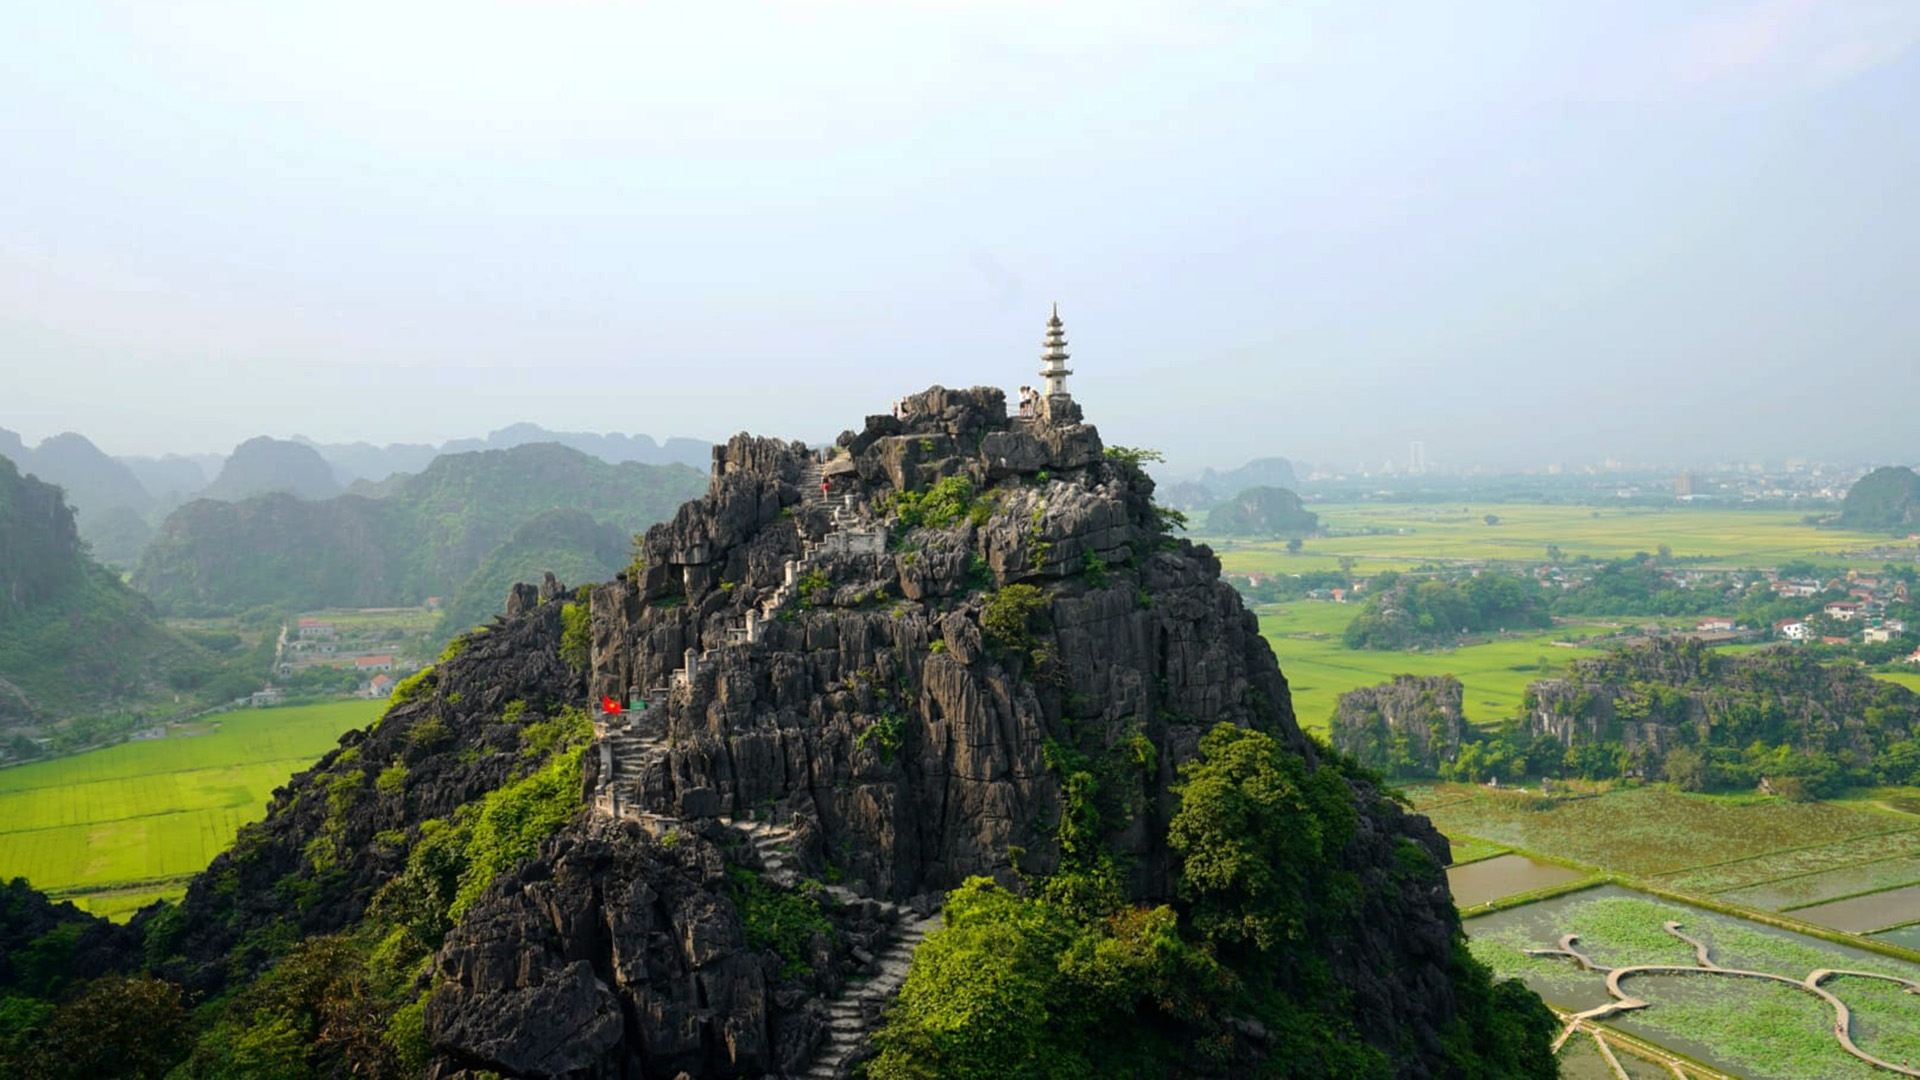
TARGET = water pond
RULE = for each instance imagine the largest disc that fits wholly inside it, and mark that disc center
(1862, 914)
(1907, 937)
(1501, 876)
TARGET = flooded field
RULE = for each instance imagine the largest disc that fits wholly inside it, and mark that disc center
(1907, 937)
(1747, 1027)
(1863, 914)
(1825, 885)
(1501, 876)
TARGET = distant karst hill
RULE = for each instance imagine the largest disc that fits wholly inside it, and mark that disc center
(425, 537)
(1263, 511)
(72, 637)
(1275, 472)
(262, 466)
(366, 462)
(1886, 499)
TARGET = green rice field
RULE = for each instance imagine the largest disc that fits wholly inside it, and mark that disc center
(1692, 843)
(116, 828)
(1305, 635)
(1412, 534)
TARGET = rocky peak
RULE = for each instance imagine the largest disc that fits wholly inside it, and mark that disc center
(883, 663)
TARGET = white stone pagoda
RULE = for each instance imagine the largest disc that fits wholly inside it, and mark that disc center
(1053, 357)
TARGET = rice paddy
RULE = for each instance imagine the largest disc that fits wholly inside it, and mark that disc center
(1753, 1028)
(1305, 636)
(116, 828)
(1402, 535)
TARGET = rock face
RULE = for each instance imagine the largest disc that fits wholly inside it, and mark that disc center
(893, 707)
(1409, 725)
(1137, 634)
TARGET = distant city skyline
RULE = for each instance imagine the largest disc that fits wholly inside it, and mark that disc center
(1528, 233)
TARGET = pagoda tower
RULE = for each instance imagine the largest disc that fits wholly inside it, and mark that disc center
(1053, 357)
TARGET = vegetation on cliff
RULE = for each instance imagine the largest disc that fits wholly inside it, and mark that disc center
(1677, 710)
(1070, 980)
(1409, 726)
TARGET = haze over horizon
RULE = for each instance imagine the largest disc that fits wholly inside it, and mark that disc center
(1647, 231)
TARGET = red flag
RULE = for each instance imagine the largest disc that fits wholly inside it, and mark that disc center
(609, 706)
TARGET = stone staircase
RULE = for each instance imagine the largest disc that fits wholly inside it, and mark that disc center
(848, 1015)
(631, 743)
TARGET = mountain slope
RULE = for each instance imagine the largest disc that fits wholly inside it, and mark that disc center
(426, 537)
(72, 637)
(568, 543)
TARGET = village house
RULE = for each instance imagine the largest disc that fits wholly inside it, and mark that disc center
(373, 663)
(1843, 610)
(264, 698)
(381, 686)
(1877, 635)
(1791, 629)
(315, 629)
(1716, 622)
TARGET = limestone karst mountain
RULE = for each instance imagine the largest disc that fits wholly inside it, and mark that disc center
(425, 536)
(264, 466)
(73, 639)
(956, 669)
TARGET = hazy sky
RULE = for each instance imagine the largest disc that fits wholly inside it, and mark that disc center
(1517, 230)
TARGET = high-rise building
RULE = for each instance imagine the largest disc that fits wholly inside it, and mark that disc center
(1416, 458)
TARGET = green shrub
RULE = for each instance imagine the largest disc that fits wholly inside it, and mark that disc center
(576, 636)
(1007, 618)
(886, 734)
(513, 820)
(411, 687)
(815, 588)
(782, 921)
(392, 779)
(428, 734)
(1096, 570)
(940, 506)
